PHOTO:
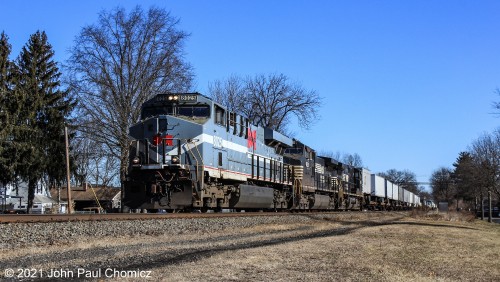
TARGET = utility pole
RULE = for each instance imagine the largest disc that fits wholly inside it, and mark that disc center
(70, 208)
(490, 208)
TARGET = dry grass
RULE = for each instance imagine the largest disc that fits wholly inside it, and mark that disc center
(347, 247)
(404, 249)
(448, 216)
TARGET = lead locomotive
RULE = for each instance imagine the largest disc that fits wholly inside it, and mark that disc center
(189, 152)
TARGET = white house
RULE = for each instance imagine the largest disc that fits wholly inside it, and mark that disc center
(17, 199)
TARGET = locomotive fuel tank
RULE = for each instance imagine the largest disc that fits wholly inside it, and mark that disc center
(321, 202)
(249, 196)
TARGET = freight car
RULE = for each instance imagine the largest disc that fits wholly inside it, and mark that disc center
(191, 153)
(382, 194)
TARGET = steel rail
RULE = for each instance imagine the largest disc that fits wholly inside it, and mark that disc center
(43, 218)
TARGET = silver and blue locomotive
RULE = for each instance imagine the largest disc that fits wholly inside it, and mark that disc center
(190, 153)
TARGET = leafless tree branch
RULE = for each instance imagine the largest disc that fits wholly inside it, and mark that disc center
(268, 100)
(119, 63)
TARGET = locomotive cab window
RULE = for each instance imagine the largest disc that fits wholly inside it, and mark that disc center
(246, 128)
(198, 111)
(219, 115)
(156, 111)
(242, 126)
(232, 122)
(194, 111)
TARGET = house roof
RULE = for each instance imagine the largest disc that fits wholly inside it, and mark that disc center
(81, 194)
(43, 199)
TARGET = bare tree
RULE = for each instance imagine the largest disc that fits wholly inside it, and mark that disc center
(95, 164)
(345, 158)
(118, 64)
(337, 155)
(229, 93)
(496, 105)
(442, 185)
(352, 160)
(268, 100)
(496, 161)
(486, 156)
(404, 178)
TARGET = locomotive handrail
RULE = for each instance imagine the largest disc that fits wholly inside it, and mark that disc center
(188, 142)
(199, 175)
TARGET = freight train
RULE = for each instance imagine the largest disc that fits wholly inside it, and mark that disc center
(190, 153)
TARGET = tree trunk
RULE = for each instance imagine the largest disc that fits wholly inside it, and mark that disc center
(482, 206)
(475, 205)
(31, 194)
(123, 174)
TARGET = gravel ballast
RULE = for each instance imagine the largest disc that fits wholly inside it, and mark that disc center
(289, 247)
(53, 233)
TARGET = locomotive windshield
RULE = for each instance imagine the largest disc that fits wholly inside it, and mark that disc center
(186, 106)
(194, 111)
(190, 111)
(156, 111)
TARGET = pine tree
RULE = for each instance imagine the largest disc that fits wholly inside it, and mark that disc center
(45, 110)
(5, 49)
(464, 176)
(7, 163)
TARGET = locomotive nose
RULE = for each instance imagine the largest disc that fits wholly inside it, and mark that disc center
(155, 143)
(162, 139)
(158, 128)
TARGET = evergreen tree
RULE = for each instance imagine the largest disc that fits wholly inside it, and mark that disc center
(45, 110)
(464, 176)
(5, 49)
(7, 163)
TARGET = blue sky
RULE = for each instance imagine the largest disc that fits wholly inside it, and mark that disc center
(406, 84)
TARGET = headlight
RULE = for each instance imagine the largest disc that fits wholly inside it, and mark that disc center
(136, 160)
(175, 160)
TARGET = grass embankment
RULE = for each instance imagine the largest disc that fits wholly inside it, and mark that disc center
(302, 247)
(415, 247)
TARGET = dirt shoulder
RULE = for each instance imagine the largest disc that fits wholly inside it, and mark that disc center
(345, 247)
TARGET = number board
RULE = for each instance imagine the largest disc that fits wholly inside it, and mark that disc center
(188, 98)
(176, 97)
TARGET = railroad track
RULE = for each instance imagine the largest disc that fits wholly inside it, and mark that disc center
(40, 218)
